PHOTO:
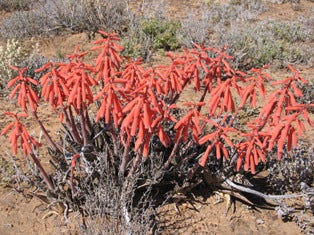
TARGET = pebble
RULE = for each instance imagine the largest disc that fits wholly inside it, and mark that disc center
(259, 221)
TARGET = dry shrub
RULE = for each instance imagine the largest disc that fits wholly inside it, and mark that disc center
(23, 24)
(49, 17)
(13, 5)
(251, 43)
(14, 53)
(266, 42)
(308, 92)
(295, 170)
(294, 173)
(115, 207)
(198, 25)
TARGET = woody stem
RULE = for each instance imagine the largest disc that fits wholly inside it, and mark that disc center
(114, 138)
(124, 160)
(83, 125)
(135, 162)
(72, 127)
(174, 100)
(202, 98)
(173, 152)
(47, 136)
(43, 172)
(88, 122)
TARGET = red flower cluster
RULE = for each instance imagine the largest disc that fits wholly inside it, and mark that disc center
(137, 102)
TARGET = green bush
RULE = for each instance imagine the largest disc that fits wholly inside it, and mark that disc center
(163, 33)
(146, 36)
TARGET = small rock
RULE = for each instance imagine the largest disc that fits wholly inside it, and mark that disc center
(259, 221)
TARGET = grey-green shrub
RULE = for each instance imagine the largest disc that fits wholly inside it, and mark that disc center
(252, 44)
(56, 16)
(23, 24)
(268, 42)
(200, 25)
(242, 11)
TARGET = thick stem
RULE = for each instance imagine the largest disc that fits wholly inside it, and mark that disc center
(125, 197)
(47, 136)
(124, 160)
(202, 98)
(83, 126)
(43, 172)
(88, 122)
(113, 135)
(173, 153)
(72, 127)
(135, 163)
(174, 100)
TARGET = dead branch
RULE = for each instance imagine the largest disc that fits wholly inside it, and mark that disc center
(273, 198)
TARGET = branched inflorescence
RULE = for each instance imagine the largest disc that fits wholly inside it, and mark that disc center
(136, 105)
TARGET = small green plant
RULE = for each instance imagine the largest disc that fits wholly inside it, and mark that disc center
(163, 33)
